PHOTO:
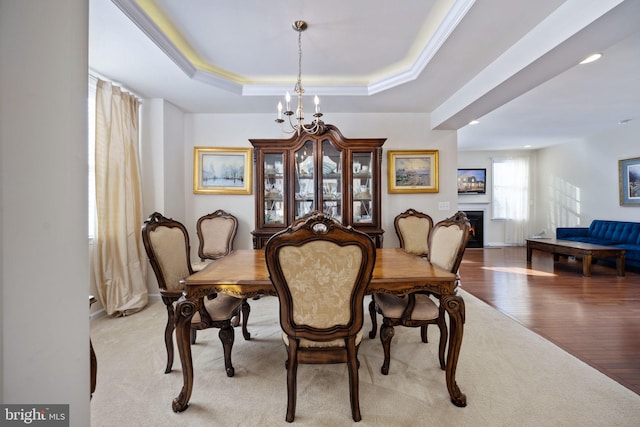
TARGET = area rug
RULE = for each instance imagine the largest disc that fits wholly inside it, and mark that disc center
(511, 376)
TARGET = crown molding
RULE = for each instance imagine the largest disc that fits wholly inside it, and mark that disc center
(235, 84)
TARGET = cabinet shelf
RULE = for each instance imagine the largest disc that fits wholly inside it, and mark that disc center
(347, 186)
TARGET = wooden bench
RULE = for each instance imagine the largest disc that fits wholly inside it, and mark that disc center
(586, 251)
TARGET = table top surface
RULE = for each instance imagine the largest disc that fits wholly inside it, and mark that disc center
(394, 269)
(573, 244)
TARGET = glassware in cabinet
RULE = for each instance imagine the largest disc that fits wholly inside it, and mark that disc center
(274, 186)
(304, 175)
(332, 181)
(363, 202)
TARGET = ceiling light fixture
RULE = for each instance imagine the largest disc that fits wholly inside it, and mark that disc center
(316, 127)
(591, 58)
(474, 122)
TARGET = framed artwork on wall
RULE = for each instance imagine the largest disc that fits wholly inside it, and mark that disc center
(413, 171)
(629, 181)
(221, 170)
(472, 181)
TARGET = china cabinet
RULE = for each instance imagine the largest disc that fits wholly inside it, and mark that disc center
(328, 172)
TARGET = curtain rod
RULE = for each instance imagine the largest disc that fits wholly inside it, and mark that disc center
(94, 77)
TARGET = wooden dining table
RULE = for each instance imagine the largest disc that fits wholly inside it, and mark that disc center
(244, 274)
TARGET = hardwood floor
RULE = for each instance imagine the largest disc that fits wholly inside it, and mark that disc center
(597, 318)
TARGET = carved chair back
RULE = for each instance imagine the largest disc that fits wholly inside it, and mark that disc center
(413, 229)
(216, 233)
(448, 240)
(166, 242)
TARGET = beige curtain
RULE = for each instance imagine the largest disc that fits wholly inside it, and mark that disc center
(119, 260)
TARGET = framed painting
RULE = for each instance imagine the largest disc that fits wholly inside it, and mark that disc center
(472, 181)
(413, 171)
(629, 181)
(221, 170)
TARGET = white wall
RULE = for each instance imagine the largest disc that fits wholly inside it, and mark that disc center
(44, 280)
(163, 168)
(494, 229)
(578, 181)
(403, 132)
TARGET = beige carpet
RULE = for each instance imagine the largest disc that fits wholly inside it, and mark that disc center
(511, 376)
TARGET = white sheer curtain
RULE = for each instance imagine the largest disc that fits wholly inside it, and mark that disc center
(119, 260)
(511, 197)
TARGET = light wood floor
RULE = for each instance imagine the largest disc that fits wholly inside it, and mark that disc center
(597, 318)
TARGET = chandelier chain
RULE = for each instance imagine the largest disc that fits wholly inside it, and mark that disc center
(296, 119)
(299, 84)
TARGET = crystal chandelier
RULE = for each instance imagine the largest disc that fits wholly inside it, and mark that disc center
(296, 123)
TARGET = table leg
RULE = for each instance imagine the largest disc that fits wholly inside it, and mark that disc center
(94, 367)
(586, 265)
(454, 306)
(529, 250)
(185, 310)
(620, 263)
(93, 361)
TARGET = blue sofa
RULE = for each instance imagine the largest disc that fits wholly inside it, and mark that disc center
(624, 235)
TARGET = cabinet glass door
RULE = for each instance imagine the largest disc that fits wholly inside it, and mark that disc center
(331, 180)
(274, 201)
(362, 188)
(305, 189)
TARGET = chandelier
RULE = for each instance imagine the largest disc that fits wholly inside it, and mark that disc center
(296, 123)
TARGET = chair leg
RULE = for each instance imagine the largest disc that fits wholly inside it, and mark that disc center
(192, 335)
(374, 320)
(246, 309)
(442, 325)
(292, 373)
(352, 362)
(168, 336)
(423, 333)
(386, 333)
(226, 335)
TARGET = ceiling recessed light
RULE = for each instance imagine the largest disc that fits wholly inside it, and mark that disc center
(527, 146)
(591, 58)
(474, 122)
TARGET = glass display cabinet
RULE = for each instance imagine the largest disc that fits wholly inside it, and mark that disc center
(328, 172)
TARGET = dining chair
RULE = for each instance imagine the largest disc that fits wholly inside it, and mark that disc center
(216, 235)
(320, 270)
(447, 242)
(166, 242)
(412, 228)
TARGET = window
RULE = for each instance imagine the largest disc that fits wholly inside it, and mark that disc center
(510, 188)
(510, 197)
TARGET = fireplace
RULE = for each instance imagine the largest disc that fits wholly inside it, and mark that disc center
(476, 239)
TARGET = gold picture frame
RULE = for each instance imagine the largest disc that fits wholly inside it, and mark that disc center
(413, 171)
(222, 170)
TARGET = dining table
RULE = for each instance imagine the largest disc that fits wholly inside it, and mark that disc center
(244, 274)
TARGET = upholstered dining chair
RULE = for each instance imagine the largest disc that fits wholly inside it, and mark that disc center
(320, 270)
(166, 242)
(216, 234)
(447, 242)
(412, 228)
